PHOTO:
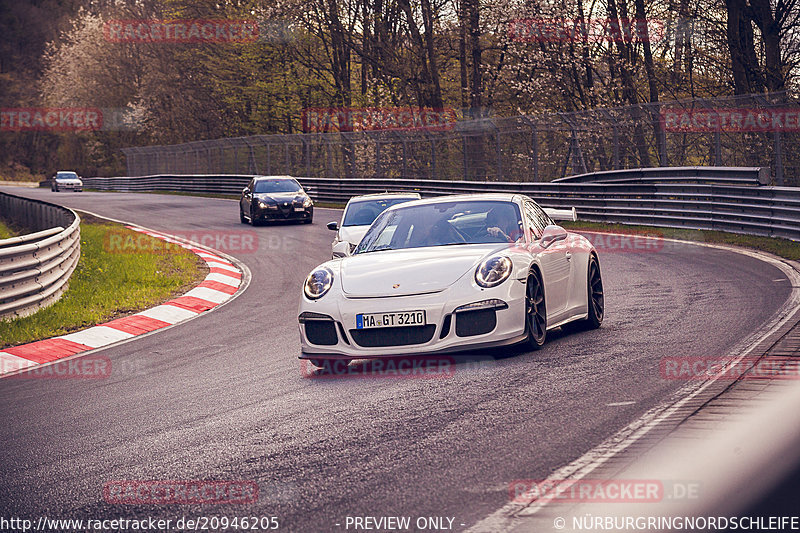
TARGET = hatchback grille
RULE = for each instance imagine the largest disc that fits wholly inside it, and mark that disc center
(471, 323)
(321, 332)
(374, 338)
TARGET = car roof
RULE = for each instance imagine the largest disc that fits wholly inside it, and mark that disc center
(285, 178)
(383, 196)
(65, 172)
(507, 197)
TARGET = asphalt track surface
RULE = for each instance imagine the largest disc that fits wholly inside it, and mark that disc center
(224, 396)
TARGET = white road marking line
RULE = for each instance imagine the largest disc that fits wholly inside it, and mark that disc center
(223, 278)
(218, 261)
(97, 336)
(11, 363)
(618, 404)
(170, 314)
(210, 295)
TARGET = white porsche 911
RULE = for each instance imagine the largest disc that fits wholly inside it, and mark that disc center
(448, 274)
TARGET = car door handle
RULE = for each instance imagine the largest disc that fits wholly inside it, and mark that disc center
(569, 256)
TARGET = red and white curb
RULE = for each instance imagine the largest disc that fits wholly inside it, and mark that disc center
(222, 282)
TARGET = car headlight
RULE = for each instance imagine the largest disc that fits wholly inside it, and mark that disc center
(264, 204)
(493, 271)
(318, 283)
(307, 202)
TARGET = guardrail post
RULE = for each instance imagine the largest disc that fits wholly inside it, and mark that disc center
(464, 152)
(534, 149)
(307, 144)
(778, 159)
(405, 159)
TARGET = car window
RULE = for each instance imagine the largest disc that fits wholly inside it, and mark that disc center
(443, 224)
(277, 185)
(66, 175)
(537, 219)
(364, 212)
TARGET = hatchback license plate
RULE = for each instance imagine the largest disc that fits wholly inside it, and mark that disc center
(390, 320)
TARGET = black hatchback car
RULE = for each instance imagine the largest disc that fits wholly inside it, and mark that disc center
(275, 198)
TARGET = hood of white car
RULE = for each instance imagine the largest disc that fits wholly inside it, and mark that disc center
(69, 181)
(409, 271)
(352, 234)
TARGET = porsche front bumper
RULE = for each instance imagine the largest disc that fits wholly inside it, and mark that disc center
(455, 320)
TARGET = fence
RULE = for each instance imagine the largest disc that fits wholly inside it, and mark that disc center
(753, 130)
(35, 268)
(710, 198)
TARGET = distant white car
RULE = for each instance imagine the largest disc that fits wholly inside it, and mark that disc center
(448, 274)
(65, 179)
(359, 213)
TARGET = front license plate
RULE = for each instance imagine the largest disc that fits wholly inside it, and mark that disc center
(390, 320)
(299, 208)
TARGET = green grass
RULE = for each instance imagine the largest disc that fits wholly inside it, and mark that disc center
(780, 247)
(6, 231)
(110, 281)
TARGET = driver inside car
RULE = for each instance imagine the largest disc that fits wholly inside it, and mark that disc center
(502, 224)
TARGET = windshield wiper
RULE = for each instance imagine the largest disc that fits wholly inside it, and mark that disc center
(380, 248)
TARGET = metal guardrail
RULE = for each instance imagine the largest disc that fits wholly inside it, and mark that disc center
(715, 175)
(35, 268)
(696, 201)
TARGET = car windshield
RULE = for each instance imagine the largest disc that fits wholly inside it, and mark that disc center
(364, 212)
(66, 176)
(277, 186)
(442, 224)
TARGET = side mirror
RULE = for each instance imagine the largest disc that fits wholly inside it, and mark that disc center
(246, 191)
(341, 249)
(551, 234)
(308, 189)
(333, 226)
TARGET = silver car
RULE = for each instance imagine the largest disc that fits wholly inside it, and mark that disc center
(359, 213)
(66, 179)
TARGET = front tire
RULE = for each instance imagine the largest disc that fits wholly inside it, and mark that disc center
(594, 294)
(535, 312)
(242, 219)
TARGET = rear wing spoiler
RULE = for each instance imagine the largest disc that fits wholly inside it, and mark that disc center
(561, 214)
